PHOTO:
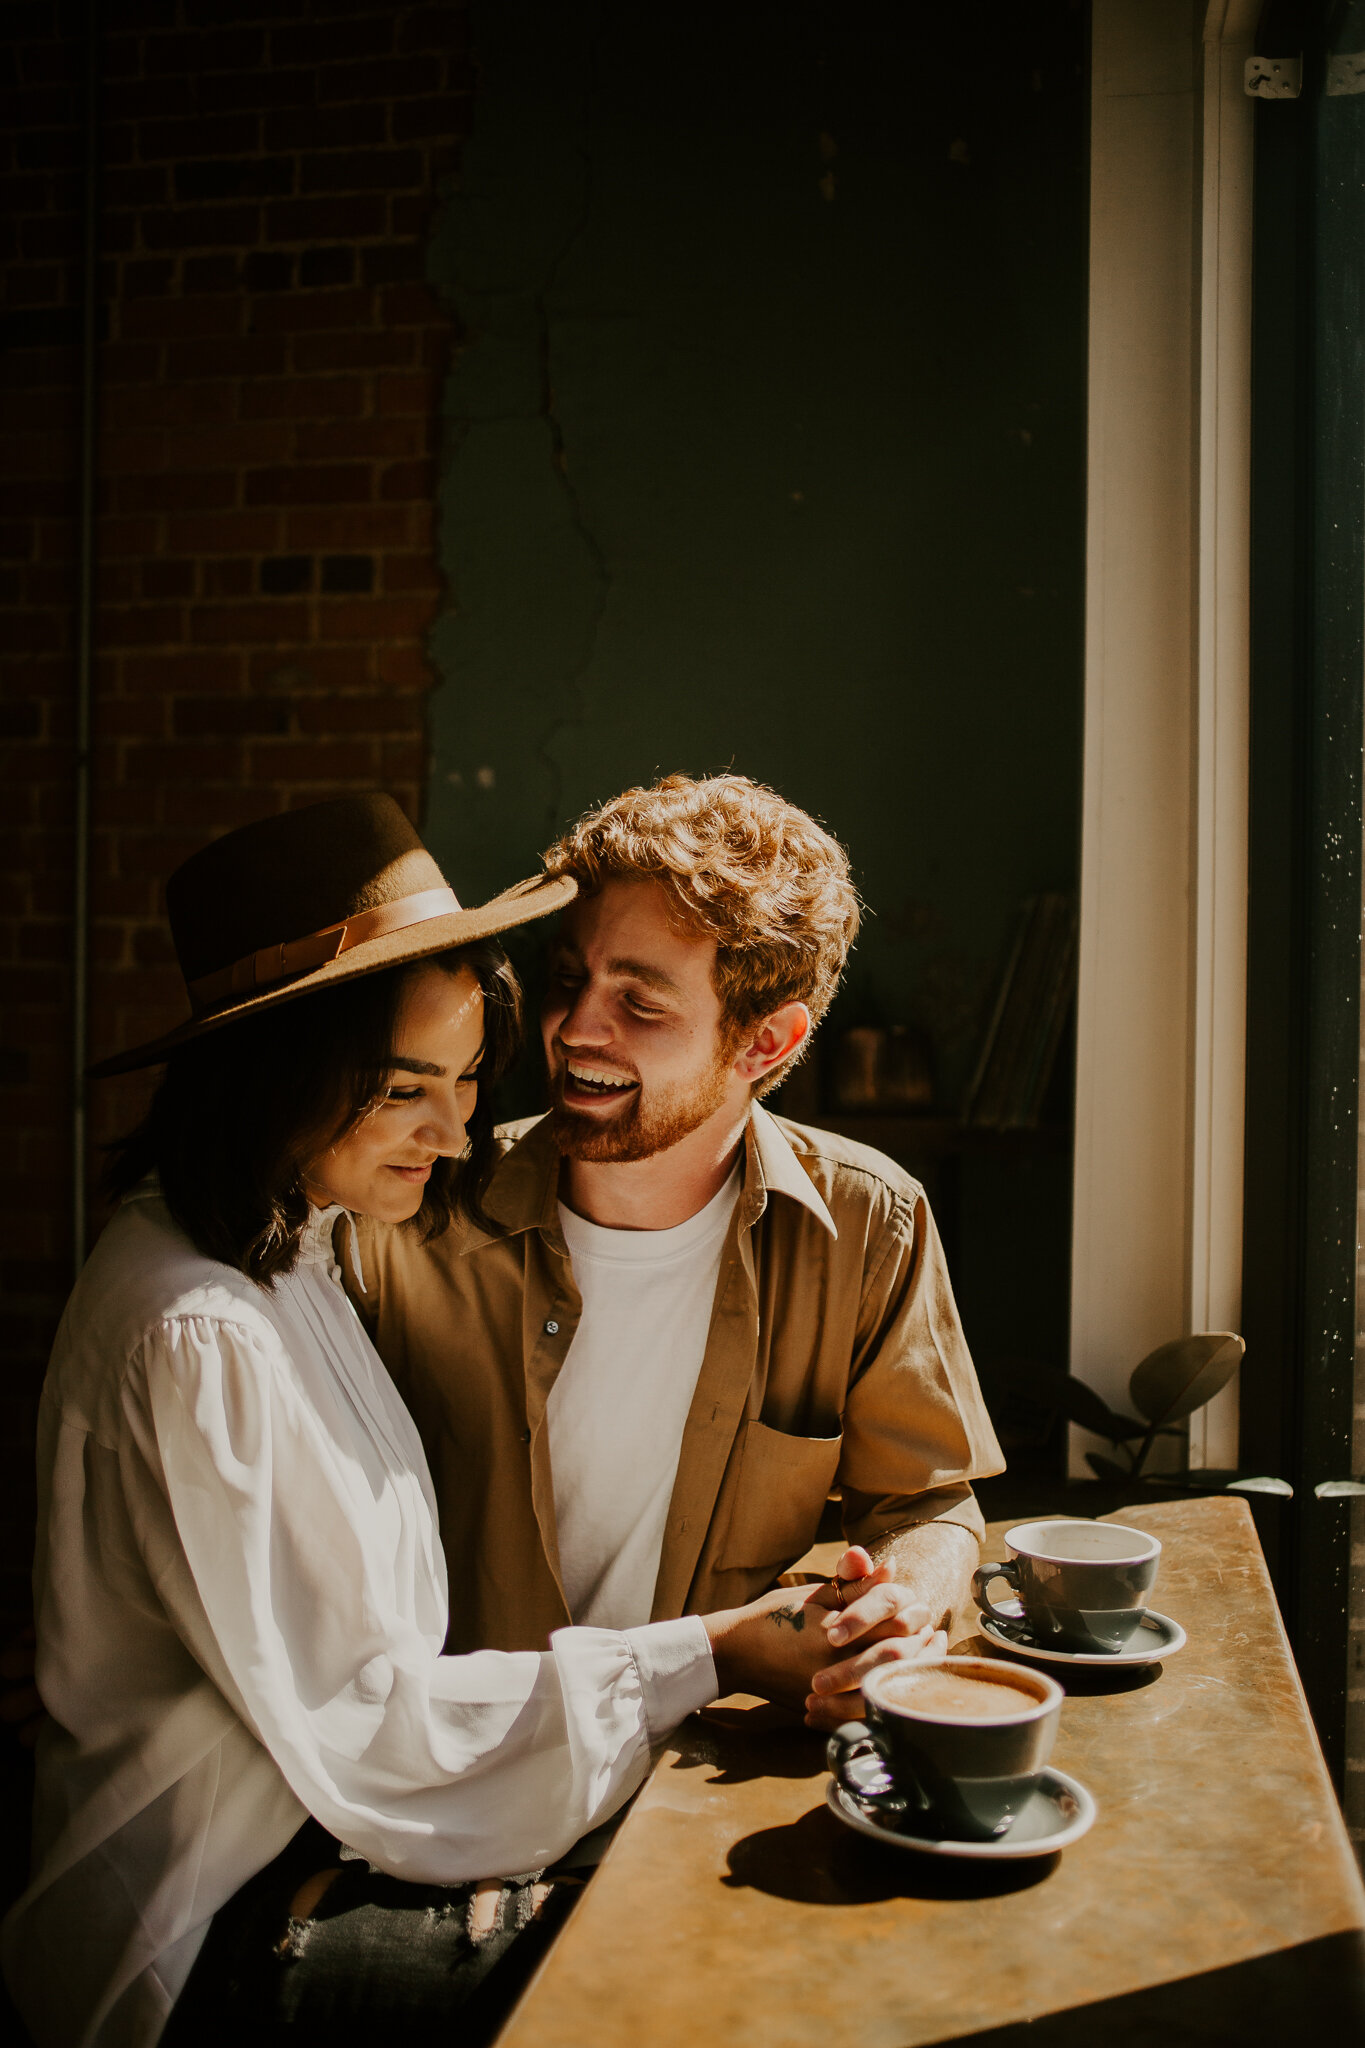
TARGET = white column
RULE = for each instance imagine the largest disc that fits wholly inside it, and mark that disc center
(1222, 739)
(1157, 1232)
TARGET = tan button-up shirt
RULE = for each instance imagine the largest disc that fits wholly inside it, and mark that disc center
(834, 1357)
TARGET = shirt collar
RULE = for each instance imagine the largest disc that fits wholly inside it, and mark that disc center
(318, 1242)
(315, 1239)
(771, 1166)
(523, 1193)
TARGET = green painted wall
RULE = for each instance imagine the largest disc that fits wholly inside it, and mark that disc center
(765, 448)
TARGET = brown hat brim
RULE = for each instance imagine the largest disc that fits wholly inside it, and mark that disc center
(540, 896)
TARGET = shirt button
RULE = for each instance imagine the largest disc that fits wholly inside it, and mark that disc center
(552, 1328)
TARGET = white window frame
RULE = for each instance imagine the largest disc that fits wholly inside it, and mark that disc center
(1161, 1053)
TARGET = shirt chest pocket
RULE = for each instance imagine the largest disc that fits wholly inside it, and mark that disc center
(781, 1486)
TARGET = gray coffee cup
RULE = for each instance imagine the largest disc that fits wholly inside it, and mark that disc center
(948, 1774)
(1082, 1586)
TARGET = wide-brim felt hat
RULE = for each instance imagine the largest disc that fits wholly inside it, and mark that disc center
(297, 903)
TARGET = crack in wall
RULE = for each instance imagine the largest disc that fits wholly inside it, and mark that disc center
(478, 301)
(559, 460)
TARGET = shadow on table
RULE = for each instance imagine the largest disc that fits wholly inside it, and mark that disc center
(740, 1743)
(816, 1862)
(1314, 1991)
(1085, 1681)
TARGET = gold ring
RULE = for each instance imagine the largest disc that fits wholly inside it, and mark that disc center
(837, 1588)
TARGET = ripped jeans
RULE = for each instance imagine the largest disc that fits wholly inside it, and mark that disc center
(363, 1956)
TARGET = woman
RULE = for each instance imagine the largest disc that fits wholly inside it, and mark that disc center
(241, 1598)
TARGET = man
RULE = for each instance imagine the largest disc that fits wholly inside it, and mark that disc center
(691, 1318)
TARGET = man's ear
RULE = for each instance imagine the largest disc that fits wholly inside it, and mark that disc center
(775, 1040)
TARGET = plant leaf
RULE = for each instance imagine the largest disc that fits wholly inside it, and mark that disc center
(1106, 1468)
(1082, 1405)
(1174, 1380)
(1280, 1486)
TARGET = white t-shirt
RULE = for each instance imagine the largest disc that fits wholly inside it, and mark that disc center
(618, 1408)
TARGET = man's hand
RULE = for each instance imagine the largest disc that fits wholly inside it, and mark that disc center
(791, 1645)
(888, 1621)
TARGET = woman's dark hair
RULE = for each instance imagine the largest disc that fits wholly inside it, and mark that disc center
(239, 1110)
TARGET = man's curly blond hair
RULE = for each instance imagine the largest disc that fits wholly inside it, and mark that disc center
(743, 867)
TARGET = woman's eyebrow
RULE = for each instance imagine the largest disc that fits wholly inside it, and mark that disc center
(400, 1063)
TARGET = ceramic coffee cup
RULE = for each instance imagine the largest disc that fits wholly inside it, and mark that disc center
(955, 1765)
(1082, 1586)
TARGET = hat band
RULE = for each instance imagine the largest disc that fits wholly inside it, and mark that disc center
(315, 949)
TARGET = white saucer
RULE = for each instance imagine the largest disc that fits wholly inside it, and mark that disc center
(1059, 1812)
(1157, 1637)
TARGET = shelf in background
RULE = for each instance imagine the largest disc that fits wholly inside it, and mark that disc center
(908, 1138)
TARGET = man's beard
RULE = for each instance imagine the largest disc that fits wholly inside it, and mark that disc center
(644, 1125)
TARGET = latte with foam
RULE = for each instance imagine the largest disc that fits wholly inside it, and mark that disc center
(955, 1696)
(960, 1744)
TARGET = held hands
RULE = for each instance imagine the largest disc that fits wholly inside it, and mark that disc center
(887, 1622)
(797, 1643)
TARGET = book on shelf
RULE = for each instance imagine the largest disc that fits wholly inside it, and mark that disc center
(1028, 1019)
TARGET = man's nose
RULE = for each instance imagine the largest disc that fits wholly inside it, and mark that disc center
(586, 1021)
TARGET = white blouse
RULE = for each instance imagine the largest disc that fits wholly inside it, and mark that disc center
(241, 1606)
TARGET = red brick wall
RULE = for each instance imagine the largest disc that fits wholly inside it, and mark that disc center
(269, 379)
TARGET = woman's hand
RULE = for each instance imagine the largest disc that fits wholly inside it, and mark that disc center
(797, 1644)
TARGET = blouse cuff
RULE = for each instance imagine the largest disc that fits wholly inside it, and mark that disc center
(677, 1671)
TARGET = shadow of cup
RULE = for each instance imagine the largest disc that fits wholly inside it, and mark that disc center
(814, 1861)
(1080, 1681)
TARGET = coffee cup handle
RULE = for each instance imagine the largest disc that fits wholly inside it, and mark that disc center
(851, 1743)
(981, 1580)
